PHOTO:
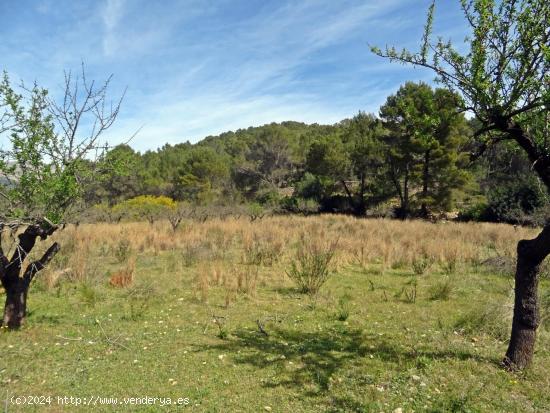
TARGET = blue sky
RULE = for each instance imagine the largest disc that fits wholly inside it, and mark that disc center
(193, 68)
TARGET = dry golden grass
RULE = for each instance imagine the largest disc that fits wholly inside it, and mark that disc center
(409, 299)
(237, 254)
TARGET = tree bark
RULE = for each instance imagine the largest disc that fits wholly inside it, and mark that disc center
(540, 159)
(15, 308)
(531, 254)
(17, 286)
(402, 191)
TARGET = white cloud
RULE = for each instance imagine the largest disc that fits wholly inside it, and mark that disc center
(111, 14)
(196, 67)
(255, 84)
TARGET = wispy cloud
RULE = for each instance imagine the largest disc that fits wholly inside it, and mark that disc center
(196, 67)
(111, 15)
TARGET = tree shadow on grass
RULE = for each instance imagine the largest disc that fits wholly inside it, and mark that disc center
(307, 361)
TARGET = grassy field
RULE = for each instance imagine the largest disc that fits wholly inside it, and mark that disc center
(412, 318)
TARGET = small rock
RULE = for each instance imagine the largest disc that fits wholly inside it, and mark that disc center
(415, 377)
(267, 408)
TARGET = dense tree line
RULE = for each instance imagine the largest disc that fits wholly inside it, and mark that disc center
(413, 158)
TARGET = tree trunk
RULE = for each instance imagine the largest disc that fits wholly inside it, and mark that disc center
(539, 158)
(425, 178)
(531, 254)
(361, 207)
(405, 204)
(17, 286)
(15, 308)
(350, 196)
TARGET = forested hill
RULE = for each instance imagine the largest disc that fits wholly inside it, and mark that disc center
(234, 166)
(411, 159)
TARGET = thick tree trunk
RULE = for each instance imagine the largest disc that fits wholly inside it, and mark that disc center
(15, 309)
(531, 254)
(405, 204)
(16, 284)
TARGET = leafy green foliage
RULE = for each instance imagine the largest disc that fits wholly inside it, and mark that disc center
(502, 78)
(44, 164)
(423, 147)
(35, 185)
(311, 267)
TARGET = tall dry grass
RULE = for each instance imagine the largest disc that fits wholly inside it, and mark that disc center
(234, 253)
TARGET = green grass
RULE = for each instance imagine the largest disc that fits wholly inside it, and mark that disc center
(385, 352)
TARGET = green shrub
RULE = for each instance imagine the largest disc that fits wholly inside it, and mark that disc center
(298, 205)
(123, 250)
(310, 268)
(344, 307)
(136, 301)
(88, 294)
(449, 265)
(421, 264)
(476, 212)
(441, 291)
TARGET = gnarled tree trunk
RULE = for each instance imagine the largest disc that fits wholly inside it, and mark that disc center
(531, 254)
(15, 308)
(17, 285)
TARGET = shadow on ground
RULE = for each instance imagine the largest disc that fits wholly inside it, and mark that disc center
(308, 361)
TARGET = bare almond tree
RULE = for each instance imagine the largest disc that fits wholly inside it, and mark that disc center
(49, 157)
